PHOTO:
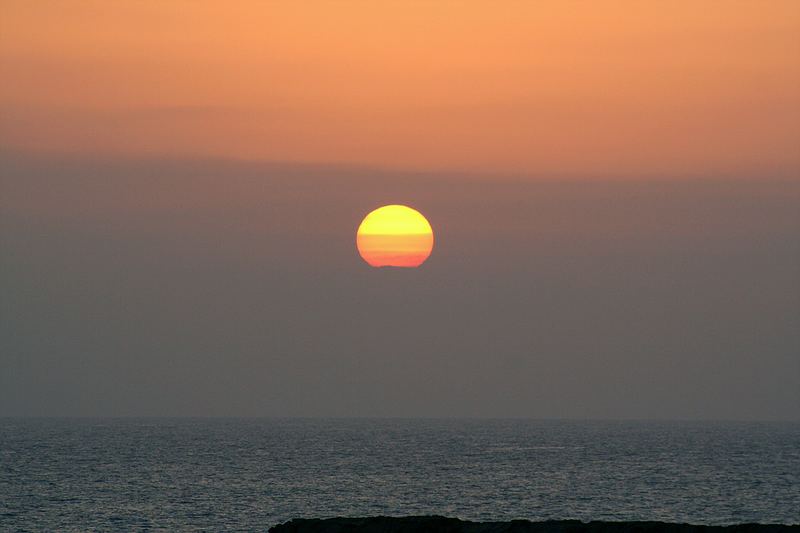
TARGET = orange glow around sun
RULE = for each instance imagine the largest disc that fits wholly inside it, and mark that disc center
(394, 235)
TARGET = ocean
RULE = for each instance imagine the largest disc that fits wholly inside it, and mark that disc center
(250, 474)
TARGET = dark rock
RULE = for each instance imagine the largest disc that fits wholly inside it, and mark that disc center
(440, 524)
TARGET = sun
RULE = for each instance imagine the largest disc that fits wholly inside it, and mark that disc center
(395, 235)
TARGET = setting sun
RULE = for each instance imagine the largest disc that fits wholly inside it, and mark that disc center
(395, 235)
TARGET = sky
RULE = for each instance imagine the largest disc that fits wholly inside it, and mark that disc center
(614, 190)
(614, 87)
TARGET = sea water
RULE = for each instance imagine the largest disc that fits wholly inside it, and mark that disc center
(249, 474)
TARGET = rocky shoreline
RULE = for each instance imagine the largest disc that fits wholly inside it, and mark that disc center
(440, 524)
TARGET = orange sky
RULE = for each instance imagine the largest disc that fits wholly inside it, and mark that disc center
(539, 88)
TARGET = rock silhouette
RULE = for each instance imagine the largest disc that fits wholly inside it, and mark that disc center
(440, 524)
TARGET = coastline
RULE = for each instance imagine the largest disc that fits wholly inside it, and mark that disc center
(415, 524)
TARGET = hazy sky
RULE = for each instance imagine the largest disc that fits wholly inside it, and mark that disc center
(211, 288)
(614, 189)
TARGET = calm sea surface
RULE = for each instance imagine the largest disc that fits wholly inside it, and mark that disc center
(230, 474)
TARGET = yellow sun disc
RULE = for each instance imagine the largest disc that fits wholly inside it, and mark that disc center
(394, 235)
